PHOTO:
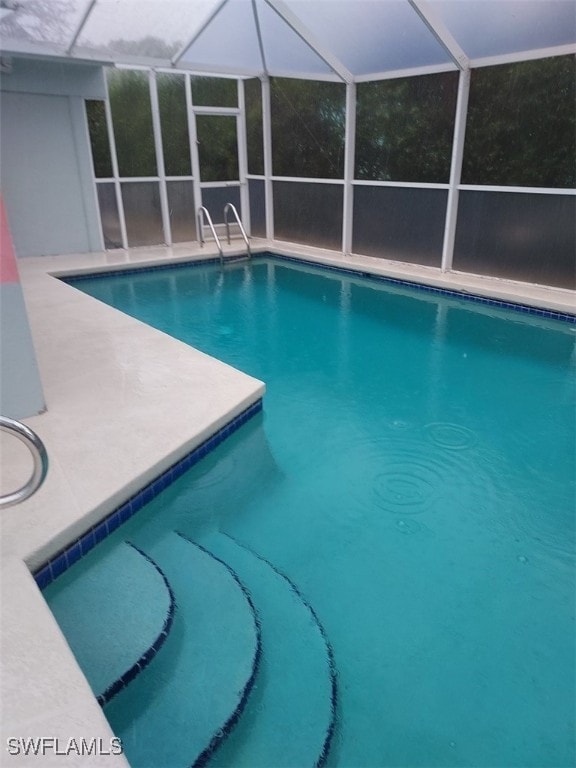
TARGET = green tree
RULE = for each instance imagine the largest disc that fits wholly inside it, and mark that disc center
(217, 147)
(308, 126)
(521, 127)
(132, 120)
(404, 128)
(214, 92)
(98, 130)
(254, 128)
(174, 123)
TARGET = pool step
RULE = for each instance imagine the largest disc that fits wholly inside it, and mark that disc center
(183, 704)
(114, 612)
(289, 718)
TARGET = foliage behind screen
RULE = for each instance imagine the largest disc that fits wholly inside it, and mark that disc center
(404, 128)
(308, 122)
(522, 124)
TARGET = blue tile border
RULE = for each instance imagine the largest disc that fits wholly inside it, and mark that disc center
(145, 659)
(132, 270)
(66, 557)
(362, 273)
(453, 293)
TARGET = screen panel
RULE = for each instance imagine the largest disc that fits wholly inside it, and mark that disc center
(214, 92)
(217, 147)
(404, 128)
(109, 215)
(215, 199)
(371, 37)
(98, 131)
(174, 124)
(129, 92)
(182, 210)
(142, 213)
(519, 236)
(401, 224)
(308, 120)
(257, 193)
(495, 27)
(254, 127)
(521, 128)
(309, 213)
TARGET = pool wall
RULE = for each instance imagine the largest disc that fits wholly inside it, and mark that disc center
(97, 533)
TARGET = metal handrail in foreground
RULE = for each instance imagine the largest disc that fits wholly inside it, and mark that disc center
(203, 211)
(38, 451)
(231, 207)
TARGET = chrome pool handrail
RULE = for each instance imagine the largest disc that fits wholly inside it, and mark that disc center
(203, 213)
(232, 207)
(39, 454)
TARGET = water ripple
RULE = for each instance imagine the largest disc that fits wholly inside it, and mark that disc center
(452, 436)
(407, 487)
(403, 475)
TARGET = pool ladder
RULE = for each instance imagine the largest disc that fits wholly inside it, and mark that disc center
(229, 207)
(39, 455)
(204, 215)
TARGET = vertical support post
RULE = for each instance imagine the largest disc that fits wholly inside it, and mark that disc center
(94, 186)
(194, 159)
(267, 137)
(157, 128)
(243, 159)
(456, 169)
(115, 171)
(349, 156)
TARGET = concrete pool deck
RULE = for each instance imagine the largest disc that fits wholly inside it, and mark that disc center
(124, 401)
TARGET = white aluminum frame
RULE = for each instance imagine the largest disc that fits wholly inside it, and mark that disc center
(260, 39)
(455, 169)
(193, 139)
(437, 27)
(81, 25)
(211, 16)
(159, 148)
(267, 140)
(306, 35)
(525, 190)
(115, 171)
(96, 200)
(348, 182)
(242, 138)
(424, 9)
(349, 159)
(413, 184)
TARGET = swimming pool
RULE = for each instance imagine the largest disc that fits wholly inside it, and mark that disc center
(402, 513)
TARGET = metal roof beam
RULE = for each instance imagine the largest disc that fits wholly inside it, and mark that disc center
(435, 24)
(259, 34)
(393, 74)
(537, 53)
(304, 34)
(81, 26)
(210, 18)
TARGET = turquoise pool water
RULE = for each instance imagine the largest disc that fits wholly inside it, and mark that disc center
(401, 515)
